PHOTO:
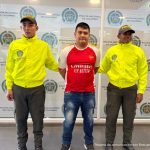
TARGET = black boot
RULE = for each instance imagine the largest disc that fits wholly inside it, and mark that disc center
(109, 147)
(21, 147)
(128, 146)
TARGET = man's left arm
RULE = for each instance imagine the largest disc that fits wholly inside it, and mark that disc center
(142, 70)
(50, 61)
(96, 69)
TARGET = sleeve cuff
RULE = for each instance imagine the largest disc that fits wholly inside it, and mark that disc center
(141, 91)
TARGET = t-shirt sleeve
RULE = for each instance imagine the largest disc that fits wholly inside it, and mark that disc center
(62, 61)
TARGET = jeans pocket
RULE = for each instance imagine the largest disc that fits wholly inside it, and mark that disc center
(67, 94)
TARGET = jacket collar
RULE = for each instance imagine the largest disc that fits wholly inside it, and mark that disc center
(125, 43)
(29, 39)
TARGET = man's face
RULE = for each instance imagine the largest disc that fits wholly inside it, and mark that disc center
(29, 29)
(82, 36)
(125, 37)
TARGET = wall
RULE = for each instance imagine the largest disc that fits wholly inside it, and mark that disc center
(135, 13)
(56, 21)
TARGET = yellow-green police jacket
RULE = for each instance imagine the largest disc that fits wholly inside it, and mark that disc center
(125, 65)
(26, 62)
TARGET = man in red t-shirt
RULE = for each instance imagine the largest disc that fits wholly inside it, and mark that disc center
(77, 65)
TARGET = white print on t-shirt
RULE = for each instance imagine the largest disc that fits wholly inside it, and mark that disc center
(81, 68)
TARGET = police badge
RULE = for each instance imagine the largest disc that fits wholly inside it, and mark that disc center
(19, 53)
(114, 57)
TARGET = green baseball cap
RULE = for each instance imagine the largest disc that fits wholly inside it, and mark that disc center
(125, 28)
(29, 18)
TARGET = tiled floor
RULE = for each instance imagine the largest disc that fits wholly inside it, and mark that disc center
(52, 137)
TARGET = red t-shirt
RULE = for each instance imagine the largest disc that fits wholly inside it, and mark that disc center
(80, 66)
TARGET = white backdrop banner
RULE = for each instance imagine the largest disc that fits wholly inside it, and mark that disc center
(56, 27)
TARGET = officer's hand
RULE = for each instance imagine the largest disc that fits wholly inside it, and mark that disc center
(9, 95)
(139, 98)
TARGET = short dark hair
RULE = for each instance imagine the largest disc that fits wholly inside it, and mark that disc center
(82, 25)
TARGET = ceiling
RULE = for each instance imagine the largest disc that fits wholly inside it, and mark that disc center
(113, 4)
(71, 3)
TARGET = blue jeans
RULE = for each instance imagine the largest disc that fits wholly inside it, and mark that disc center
(72, 102)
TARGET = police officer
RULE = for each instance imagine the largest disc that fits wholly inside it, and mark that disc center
(25, 72)
(125, 64)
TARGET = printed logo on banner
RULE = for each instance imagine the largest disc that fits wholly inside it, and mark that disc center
(93, 39)
(7, 37)
(27, 11)
(50, 86)
(148, 61)
(136, 41)
(145, 109)
(50, 38)
(115, 18)
(69, 15)
(4, 86)
(62, 108)
(148, 20)
(105, 109)
(19, 53)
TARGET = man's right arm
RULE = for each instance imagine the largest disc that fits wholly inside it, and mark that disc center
(62, 72)
(62, 61)
(142, 70)
(8, 75)
(105, 64)
(10, 95)
(50, 60)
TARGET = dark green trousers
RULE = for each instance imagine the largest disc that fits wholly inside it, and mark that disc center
(29, 100)
(126, 98)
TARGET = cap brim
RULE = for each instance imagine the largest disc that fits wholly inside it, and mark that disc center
(28, 19)
(132, 31)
